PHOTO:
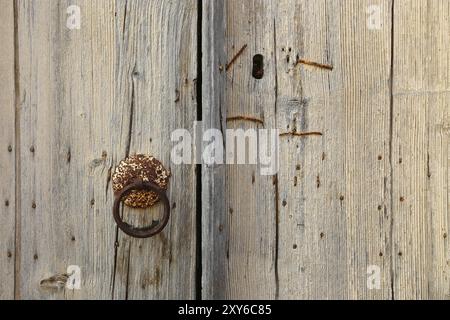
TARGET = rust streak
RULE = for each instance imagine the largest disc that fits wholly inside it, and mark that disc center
(301, 134)
(229, 64)
(247, 118)
(313, 64)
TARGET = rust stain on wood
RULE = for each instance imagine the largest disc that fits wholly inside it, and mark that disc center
(301, 134)
(246, 118)
(313, 64)
(233, 60)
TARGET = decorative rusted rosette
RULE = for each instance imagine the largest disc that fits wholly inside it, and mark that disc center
(140, 181)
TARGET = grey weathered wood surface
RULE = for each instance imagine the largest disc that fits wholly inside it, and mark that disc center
(156, 79)
(420, 150)
(213, 202)
(337, 196)
(251, 197)
(87, 98)
(334, 214)
(7, 154)
(373, 190)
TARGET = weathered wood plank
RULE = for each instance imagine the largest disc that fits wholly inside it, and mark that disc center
(331, 202)
(238, 202)
(251, 196)
(67, 137)
(7, 154)
(90, 97)
(156, 94)
(334, 200)
(371, 192)
(214, 242)
(421, 47)
(420, 145)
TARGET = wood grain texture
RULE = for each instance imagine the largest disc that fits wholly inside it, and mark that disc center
(7, 153)
(67, 145)
(369, 193)
(214, 242)
(420, 145)
(89, 97)
(251, 197)
(327, 218)
(239, 213)
(333, 190)
(156, 94)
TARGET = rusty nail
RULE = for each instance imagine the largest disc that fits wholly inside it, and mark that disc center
(245, 118)
(313, 64)
(235, 57)
(300, 134)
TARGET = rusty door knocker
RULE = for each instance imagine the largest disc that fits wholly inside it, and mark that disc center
(140, 181)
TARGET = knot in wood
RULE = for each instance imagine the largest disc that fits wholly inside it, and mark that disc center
(140, 167)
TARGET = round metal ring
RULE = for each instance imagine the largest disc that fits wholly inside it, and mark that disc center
(143, 232)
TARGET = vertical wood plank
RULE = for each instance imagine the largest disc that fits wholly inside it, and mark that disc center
(214, 242)
(67, 139)
(156, 94)
(118, 85)
(327, 218)
(421, 121)
(366, 68)
(251, 197)
(7, 153)
(371, 191)
(334, 197)
(239, 203)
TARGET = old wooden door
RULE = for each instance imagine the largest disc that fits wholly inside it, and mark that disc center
(358, 89)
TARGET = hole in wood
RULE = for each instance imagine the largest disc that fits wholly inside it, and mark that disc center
(258, 66)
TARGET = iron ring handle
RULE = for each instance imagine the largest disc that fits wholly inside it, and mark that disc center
(144, 232)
